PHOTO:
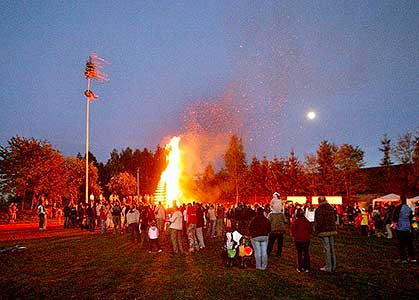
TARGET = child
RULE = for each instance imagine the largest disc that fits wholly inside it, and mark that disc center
(153, 236)
(301, 230)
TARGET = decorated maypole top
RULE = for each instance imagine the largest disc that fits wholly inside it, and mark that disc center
(94, 70)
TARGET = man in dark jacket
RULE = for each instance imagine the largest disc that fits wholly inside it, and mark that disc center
(325, 226)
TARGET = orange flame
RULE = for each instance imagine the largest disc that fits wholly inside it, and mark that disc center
(168, 189)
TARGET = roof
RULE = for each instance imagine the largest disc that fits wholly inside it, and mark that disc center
(389, 197)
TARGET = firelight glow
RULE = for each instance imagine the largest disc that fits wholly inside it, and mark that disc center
(168, 189)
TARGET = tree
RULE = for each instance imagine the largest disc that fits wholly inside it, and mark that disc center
(404, 148)
(295, 176)
(236, 167)
(144, 161)
(386, 163)
(326, 155)
(403, 151)
(75, 178)
(386, 149)
(349, 160)
(208, 190)
(278, 175)
(311, 169)
(414, 177)
(126, 161)
(123, 184)
(29, 165)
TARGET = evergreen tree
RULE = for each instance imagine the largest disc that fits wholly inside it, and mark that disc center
(236, 167)
(386, 149)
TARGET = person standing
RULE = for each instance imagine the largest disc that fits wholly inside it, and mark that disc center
(160, 216)
(98, 209)
(220, 212)
(41, 214)
(133, 218)
(67, 213)
(300, 231)
(277, 220)
(387, 221)
(191, 221)
(80, 215)
(116, 218)
(144, 224)
(176, 226)
(90, 217)
(402, 216)
(212, 217)
(325, 227)
(73, 215)
(12, 213)
(259, 229)
(200, 225)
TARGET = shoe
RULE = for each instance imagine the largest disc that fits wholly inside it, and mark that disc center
(412, 260)
(149, 252)
(160, 250)
(324, 269)
(298, 270)
(307, 271)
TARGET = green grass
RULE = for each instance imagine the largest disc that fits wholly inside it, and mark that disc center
(74, 264)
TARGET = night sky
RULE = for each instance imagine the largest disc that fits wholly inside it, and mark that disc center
(211, 68)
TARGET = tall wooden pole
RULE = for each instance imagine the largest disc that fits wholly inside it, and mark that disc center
(87, 141)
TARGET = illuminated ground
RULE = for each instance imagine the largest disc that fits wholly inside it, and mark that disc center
(74, 264)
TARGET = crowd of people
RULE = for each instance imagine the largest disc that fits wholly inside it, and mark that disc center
(264, 225)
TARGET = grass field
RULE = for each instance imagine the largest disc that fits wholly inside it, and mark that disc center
(74, 264)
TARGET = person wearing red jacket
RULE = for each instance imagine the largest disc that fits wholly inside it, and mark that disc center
(301, 231)
(191, 220)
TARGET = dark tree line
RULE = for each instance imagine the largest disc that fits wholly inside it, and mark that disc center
(148, 164)
(332, 170)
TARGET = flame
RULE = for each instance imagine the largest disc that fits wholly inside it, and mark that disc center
(168, 189)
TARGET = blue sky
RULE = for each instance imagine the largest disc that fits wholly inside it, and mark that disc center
(355, 63)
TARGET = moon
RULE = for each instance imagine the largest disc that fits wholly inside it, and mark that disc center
(311, 115)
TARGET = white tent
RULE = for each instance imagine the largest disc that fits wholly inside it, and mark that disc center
(411, 202)
(386, 199)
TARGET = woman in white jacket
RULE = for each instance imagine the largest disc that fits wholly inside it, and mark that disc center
(176, 226)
